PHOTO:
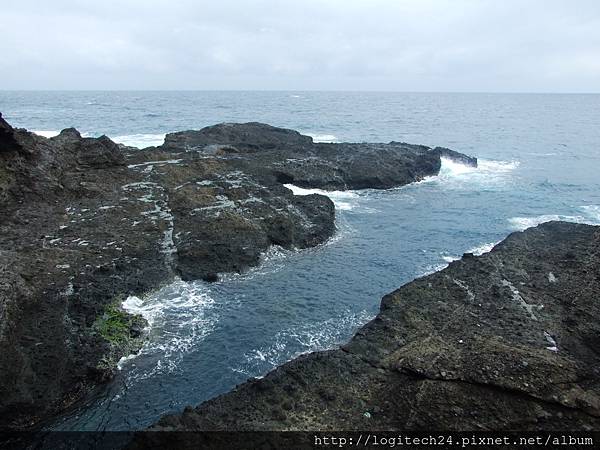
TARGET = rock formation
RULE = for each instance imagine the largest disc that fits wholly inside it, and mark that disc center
(504, 341)
(84, 223)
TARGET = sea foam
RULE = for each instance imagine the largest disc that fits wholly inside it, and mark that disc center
(477, 251)
(592, 212)
(46, 133)
(141, 140)
(488, 173)
(179, 316)
(590, 215)
(343, 200)
(292, 342)
(323, 138)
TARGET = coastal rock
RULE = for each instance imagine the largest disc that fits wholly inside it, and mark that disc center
(85, 223)
(8, 143)
(455, 156)
(358, 166)
(503, 341)
(252, 136)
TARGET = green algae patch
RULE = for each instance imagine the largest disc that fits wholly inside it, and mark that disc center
(115, 325)
(122, 332)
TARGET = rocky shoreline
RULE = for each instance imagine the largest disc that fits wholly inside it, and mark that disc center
(85, 223)
(503, 341)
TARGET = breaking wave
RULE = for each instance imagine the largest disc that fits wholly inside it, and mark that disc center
(46, 133)
(141, 140)
(487, 172)
(590, 215)
(179, 316)
(592, 212)
(477, 251)
(343, 200)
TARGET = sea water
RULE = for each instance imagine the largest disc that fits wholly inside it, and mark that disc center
(539, 157)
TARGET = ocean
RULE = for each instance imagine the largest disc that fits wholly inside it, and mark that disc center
(539, 160)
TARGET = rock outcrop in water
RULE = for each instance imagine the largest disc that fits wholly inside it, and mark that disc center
(505, 341)
(84, 223)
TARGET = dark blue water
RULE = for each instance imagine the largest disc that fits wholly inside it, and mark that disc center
(540, 156)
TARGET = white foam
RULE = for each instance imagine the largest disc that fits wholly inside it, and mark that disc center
(46, 133)
(591, 216)
(522, 223)
(488, 173)
(121, 363)
(455, 175)
(452, 168)
(178, 317)
(477, 251)
(343, 200)
(592, 212)
(481, 249)
(323, 138)
(292, 342)
(432, 268)
(140, 140)
(137, 306)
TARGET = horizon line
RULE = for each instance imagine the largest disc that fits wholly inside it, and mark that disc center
(384, 91)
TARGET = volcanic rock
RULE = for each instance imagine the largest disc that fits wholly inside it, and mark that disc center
(85, 223)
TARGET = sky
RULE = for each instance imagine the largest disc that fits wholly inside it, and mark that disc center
(389, 45)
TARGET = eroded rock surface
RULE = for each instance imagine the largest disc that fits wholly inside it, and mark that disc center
(85, 222)
(505, 341)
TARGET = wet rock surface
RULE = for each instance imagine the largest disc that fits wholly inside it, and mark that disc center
(84, 223)
(503, 341)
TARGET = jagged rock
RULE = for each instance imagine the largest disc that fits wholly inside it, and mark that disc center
(503, 341)
(84, 223)
(8, 143)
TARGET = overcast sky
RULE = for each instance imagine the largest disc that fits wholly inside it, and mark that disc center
(400, 45)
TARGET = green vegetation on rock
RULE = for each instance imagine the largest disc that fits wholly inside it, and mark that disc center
(115, 325)
(121, 330)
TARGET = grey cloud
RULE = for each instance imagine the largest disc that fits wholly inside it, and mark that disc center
(431, 45)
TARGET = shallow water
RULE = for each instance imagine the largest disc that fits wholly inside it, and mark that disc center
(539, 161)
